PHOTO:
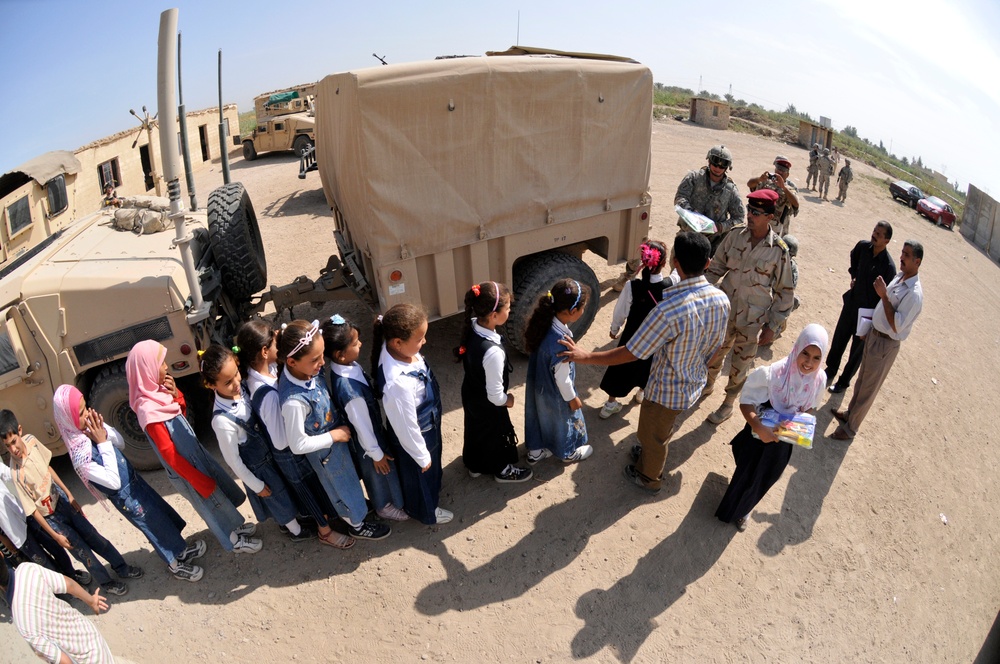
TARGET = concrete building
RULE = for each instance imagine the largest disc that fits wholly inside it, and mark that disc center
(709, 113)
(981, 222)
(811, 132)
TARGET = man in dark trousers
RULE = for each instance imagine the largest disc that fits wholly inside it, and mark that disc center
(869, 259)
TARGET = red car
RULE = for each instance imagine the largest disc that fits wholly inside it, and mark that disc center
(937, 211)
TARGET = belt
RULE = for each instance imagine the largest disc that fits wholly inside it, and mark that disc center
(880, 334)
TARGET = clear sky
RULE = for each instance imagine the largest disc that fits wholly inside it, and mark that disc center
(919, 75)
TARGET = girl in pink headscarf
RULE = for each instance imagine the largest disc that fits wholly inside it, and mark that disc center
(95, 449)
(194, 472)
(792, 385)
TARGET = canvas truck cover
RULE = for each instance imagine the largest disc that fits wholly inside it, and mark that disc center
(425, 157)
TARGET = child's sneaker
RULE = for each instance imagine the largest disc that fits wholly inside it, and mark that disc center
(579, 454)
(187, 572)
(246, 544)
(640, 394)
(534, 456)
(442, 515)
(513, 474)
(82, 577)
(369, 530)
(392, 513)
(474, 474)
(247, 529)
(114, 588)
(192, 551)
(305, 534)
(130, 572)
(609, 409)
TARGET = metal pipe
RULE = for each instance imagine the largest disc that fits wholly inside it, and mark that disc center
(222, 130)
(167, 108)
(185, 146)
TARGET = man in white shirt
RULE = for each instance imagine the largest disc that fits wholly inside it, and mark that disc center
(899, 305)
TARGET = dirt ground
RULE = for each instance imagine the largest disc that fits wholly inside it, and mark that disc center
(881, 550)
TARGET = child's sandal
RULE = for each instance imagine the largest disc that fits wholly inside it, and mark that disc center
(337, 540)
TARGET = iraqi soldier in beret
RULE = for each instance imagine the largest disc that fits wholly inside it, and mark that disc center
(813, 171)
(753, 268)
(826, 166)
(788, 204)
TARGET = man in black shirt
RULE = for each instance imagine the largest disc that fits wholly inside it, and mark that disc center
(869, 259)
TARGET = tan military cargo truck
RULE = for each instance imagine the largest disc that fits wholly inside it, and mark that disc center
(508, 168)
(285, 121)
(76, 293)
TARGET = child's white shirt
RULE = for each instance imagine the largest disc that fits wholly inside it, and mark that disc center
(104, 471)
(561, 371)
(493, 361)
(294, 413)
(624, 303)
(357, 411)
(231, 435)
(270, 406)
(399, 400)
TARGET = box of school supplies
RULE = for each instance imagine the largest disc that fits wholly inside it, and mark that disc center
(797, 429)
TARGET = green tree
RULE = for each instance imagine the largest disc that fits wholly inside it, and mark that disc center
(851, 131)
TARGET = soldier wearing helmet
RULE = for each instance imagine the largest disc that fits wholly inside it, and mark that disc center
(788, 204)
(812, 172)
(826, 165)
(709, 191)
(843, 179)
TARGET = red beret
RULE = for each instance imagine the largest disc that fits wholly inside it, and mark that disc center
(782, 161)
(763, 197)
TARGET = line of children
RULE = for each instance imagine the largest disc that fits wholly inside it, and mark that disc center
(258, 355)
(246, 445)
(633, 305)
(355, 403)
(553, 421)
(45, 497)
(95, 451)
(490, 442)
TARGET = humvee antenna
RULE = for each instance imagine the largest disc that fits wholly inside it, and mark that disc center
(380, 58)
(147, 123)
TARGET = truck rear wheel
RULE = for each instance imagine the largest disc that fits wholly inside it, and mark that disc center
(301, 144)
(109, 397)
(249, 151)
(236, 242)
(534, 276)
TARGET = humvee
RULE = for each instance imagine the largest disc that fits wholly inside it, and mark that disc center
(76, 294)
(507, 167)
(285, 121)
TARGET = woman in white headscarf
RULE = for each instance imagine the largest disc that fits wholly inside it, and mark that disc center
(791, 385)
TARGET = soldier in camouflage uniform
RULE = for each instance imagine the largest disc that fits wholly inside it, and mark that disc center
(709, 191)
(813, 171)
(788, 204)
(825, 171)
(755, 270)
(843, 179)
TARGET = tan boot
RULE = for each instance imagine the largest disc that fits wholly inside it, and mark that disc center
(724, 412)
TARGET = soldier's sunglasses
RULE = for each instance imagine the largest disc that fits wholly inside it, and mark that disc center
(718, 163)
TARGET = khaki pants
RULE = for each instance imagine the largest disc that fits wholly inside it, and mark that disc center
(879, 354)
(743, 342)
(656, 423)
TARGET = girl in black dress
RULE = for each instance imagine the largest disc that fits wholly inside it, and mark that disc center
(637, 299)
(490, 441)
(791, 385)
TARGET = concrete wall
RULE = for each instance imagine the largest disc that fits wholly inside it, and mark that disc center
(203, 140)
(810, 132)
(709, 113)
(981, 222)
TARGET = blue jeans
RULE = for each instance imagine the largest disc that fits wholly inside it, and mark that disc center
(147, 511)
(84, 540)
(41, 549)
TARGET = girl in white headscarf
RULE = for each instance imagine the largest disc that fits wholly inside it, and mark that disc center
(789, 386)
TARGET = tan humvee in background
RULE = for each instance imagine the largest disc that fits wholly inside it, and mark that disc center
(285, 121)
(508, 168)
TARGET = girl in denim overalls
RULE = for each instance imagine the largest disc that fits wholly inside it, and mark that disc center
(160, 408)
(312, 429)
(412, 403)
(245, 444)
(94, 448)
(355, 403)
(258, 356)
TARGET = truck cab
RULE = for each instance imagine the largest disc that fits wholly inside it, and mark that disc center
(285, 121)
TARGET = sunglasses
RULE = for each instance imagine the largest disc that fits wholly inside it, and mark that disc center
(718, 163)
(753, 212)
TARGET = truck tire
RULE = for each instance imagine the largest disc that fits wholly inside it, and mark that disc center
(301, 144)
(249, 151)
(534, 276)
(109, 396)
(236, 242)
